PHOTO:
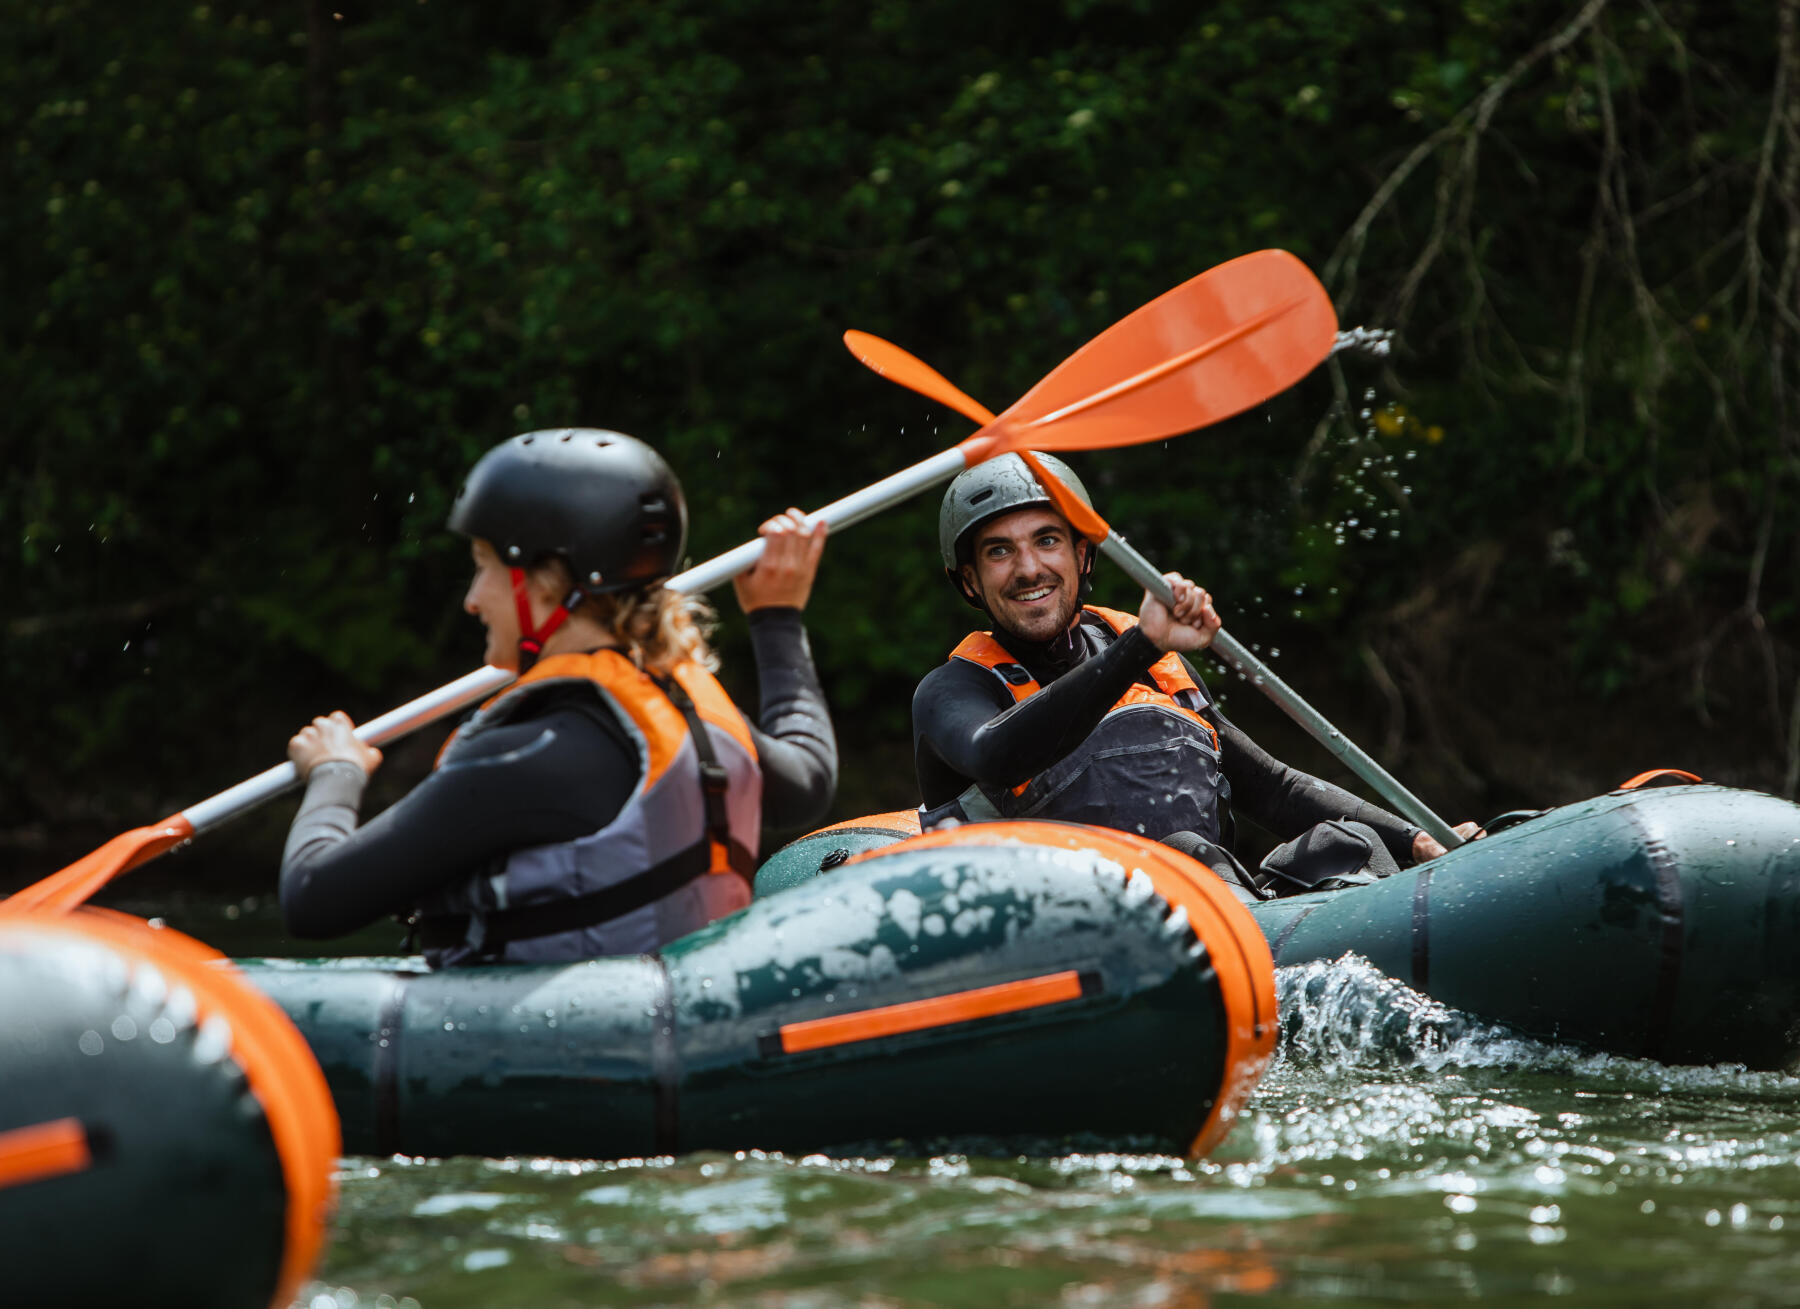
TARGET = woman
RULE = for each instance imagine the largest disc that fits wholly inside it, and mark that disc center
(613, 798)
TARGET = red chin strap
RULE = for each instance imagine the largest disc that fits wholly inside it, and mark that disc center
(531, 639)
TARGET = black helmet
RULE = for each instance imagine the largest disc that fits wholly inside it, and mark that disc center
(605, 502)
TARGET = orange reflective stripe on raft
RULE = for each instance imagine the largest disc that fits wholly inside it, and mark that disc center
(31, 1154)
(280, 1068)
(1235, 944)
(938, 1011)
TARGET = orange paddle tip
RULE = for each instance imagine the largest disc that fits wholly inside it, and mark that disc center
(80, 881)
(1083, 518)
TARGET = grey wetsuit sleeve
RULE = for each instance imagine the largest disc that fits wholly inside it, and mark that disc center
(795, 744)
(542, 780)
(965, 728)
(1286, 801)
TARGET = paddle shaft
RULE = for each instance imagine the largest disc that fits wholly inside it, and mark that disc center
(853, 508)
(1233, 655)
(472, 688)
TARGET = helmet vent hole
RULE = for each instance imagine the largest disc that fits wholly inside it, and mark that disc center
(655, 522)
(981, 495)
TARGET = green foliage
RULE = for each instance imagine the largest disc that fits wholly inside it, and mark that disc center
(276, 278)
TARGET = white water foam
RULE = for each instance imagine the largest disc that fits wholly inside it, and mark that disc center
(1345, 1016)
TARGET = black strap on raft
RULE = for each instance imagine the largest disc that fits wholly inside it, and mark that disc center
(572, 914)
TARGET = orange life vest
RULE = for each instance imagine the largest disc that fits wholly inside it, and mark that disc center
(1151, 766)
(696, 810)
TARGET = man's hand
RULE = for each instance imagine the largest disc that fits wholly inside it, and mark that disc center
(1189, 627)
(331, 738)
(792, 544)
(1426, 846)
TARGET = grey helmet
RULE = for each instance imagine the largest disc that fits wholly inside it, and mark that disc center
(991, 488)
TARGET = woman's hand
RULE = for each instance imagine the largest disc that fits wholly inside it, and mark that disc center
(792, 544)
(1426, 846)
(1189, 627)
(331, 738)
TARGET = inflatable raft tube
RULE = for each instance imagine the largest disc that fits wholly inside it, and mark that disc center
(1661, 923)
(165, 1135)
(1052, 989)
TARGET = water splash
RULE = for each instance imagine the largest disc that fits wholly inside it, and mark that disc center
(1346, 1018)
(1376, 342)
(1346, 1015)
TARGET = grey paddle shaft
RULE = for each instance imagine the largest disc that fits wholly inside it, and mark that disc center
(1234, 656)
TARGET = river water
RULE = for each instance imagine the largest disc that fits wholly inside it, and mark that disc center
(1397, 1151)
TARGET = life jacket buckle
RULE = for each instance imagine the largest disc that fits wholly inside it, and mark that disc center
(1013, 674)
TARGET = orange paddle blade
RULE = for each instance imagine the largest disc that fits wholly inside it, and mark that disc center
(910, 371)
(915, 374)
(62, 891)
(1214, 346)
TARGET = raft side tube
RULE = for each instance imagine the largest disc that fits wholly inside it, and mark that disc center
(1660, 923)
(1201, 903)
(1017, 994)
(802, 859)
(162, 1126)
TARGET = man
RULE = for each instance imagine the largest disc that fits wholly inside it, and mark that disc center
(1084, 714)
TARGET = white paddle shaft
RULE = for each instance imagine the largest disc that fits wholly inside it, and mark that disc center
(472, 688)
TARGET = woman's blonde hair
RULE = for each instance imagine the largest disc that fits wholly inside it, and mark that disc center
(656, 627)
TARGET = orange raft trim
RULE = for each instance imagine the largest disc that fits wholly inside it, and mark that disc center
(937, 1011)
(276, 1061)
(43, 1150)
(902, 821)
(1653, 774)
(1239, 952)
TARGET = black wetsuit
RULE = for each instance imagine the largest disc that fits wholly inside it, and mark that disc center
(560, 774)
(966, 728)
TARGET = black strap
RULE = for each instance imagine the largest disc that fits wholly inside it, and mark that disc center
(571, 914)
(713, 777)
(446, 931)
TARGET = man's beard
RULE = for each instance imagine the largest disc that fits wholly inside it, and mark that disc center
(1043, 625)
